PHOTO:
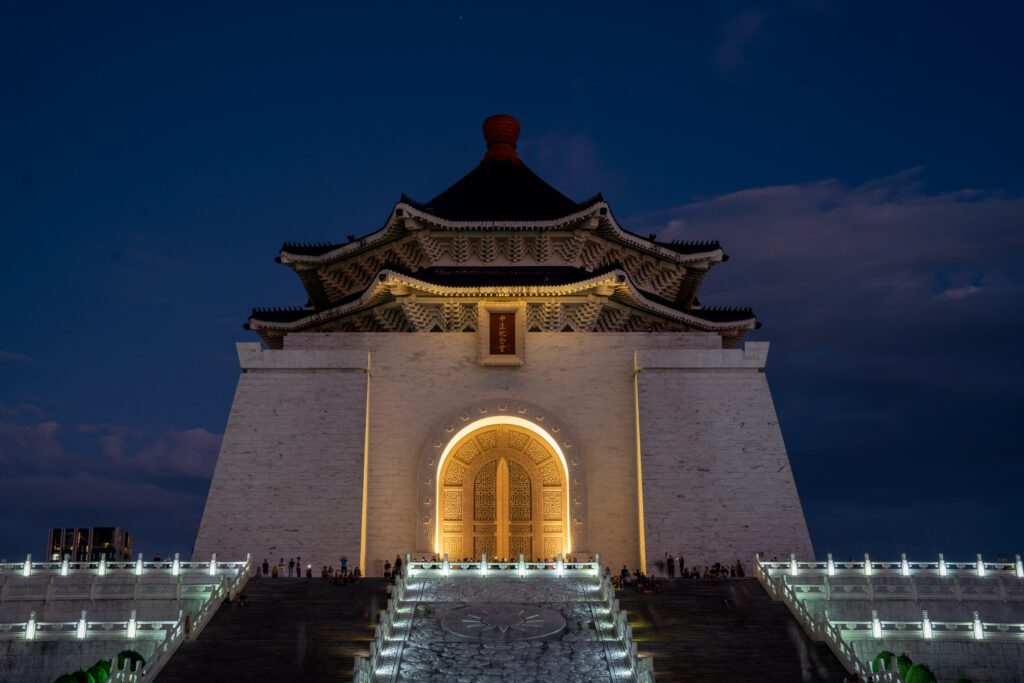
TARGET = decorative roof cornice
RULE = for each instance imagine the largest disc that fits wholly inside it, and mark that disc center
(596, 210)
(618, 281)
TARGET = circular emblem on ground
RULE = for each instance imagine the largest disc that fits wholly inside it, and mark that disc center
(502, 622)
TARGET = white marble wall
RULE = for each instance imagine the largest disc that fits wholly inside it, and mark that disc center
(716, 477)
(289, 476)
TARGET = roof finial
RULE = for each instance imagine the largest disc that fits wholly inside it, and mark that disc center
(501, 132)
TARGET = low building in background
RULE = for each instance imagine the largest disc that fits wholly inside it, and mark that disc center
(90, 543)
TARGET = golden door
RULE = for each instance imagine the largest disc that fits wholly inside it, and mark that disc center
(503, 493)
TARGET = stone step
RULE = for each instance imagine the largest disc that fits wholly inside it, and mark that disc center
(290, 629)
(729, 631)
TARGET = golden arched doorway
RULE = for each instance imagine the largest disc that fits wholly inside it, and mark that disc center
(502, 491)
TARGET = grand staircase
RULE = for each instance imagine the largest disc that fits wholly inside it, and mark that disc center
(289, 630)
(724, 632)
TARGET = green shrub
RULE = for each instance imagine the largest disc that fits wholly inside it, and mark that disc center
(101, 670)
(135, 660)
(904, 663)
(919, 673)
(882, 658)
(66, 678)
(83, 676)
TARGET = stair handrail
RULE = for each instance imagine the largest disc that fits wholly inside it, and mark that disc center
(187, 626)
(822, 630)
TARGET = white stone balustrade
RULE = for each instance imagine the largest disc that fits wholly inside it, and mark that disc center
(67, 584)
(809, 589)
(396, 620)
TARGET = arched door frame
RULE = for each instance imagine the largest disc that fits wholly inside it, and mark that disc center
(519, 413)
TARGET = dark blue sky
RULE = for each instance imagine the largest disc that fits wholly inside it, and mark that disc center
(861, 163)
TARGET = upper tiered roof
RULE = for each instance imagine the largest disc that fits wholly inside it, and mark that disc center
(501, 228)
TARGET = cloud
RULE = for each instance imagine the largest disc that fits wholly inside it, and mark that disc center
(30, 445)
(892, 312)
(738, 34)
(14, 357)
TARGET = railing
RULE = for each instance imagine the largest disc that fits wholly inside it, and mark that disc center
(838, 634)
(394, 619)
(169, 633)
(902, 567)
(67, 566)
(819, 629)
(189, 627)
(446, 567)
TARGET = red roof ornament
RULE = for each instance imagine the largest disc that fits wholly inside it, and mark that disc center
(501, 132)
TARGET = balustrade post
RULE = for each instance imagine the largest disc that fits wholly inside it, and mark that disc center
(1018, 567)
(943, 569)
(446, 568)
(27, 569)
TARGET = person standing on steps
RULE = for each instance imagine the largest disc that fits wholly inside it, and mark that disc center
(266, 568)
(344, 563)
(398, 566)
(670, 562)
(291, 567)
(298, 567)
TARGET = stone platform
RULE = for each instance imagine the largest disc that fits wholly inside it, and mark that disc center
(508, 623)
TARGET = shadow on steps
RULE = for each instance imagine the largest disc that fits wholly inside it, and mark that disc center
(727, 631)
(290, 629)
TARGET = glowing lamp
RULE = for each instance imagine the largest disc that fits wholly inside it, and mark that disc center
(876, 625)
(138, 566)
(926, 625)
(831, 566)
(80, 631)
(980, 565)
(867, 565)
(904, 565)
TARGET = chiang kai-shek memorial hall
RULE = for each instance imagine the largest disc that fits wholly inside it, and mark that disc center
(502, 370)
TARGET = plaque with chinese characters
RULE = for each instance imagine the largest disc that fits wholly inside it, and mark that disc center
(503, 333)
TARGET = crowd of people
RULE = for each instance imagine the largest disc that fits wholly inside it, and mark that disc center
(293, 569)
(667, 569)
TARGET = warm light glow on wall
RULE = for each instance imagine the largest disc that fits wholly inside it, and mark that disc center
(490, 422)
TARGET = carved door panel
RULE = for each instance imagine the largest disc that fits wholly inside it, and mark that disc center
(502, 492)
(485, 510)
